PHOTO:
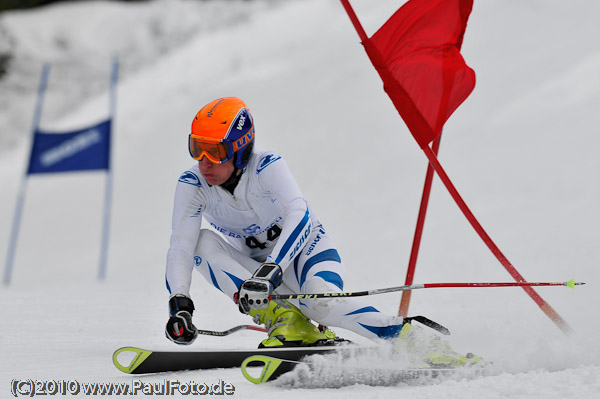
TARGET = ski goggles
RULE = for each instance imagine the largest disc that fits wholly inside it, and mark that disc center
(216, 150)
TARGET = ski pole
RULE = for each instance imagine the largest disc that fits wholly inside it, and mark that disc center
(232, 330)
(570, 284)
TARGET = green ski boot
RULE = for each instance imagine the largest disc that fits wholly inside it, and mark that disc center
(426, 351)
(289, 327)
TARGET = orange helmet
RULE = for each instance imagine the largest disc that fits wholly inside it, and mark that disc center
(223, 129)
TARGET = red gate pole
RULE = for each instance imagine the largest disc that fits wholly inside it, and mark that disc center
(544, 306)
(414, 253)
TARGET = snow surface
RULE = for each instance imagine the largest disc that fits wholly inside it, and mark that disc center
(522, 150)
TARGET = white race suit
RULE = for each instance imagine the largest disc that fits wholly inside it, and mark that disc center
(266, 219)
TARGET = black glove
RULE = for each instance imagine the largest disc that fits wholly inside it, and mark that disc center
(254, 293)
(179, 328)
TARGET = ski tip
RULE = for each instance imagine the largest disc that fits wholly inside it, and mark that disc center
(270, 367)
(139, 355)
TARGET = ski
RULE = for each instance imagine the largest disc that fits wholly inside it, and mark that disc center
(148, 361)
(273, 367)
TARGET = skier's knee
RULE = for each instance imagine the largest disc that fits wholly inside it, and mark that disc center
(317, 284)
(319, 310)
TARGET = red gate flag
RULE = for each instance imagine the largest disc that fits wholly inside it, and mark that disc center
(417, 54)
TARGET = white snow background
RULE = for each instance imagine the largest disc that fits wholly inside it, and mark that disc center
(522, 151)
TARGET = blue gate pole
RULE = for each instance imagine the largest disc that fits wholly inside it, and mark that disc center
(12, 246)
(108, 189)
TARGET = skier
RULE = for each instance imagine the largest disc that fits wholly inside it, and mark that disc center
(273, 240)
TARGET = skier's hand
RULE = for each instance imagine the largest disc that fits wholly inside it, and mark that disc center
(254, 293)
(179, 328)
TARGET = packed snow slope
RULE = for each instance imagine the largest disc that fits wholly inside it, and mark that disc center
(522, 151)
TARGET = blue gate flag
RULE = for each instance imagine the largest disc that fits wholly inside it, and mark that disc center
(85, 149)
